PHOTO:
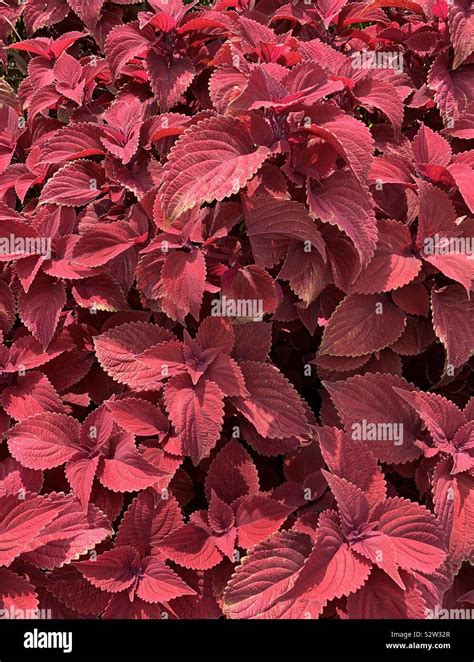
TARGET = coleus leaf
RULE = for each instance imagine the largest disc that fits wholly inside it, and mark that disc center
(379, 94)
(16, 479)
(392, 265)
(197, 413)
(441, 416)
(72, 142)
(159, 583)
(17, 593)
(75, 184)
(169, 77)
(353, 461)
(74, 591)
(148, 521)
(126, 469)
(382, 595)
(32, 395)
(192, 547)
(45, 440)
(118, 352)
(89, 13)
(73, 532)
(138, 416)
(331, 570)
(105, 241)
(264, 577)
(342, 200)
(270, 234)
(366, 398)
(257, 517)
(461, 31)
(362, 324)
(21, 522)
(209, 162)
(273, 407)
(453, 313)
(183, 280)
(113, 571)
(454, 506)
(41, 307)
(232, 473)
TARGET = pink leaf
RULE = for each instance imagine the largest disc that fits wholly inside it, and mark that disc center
(75, 184)
(140, 417)
(41, 306)
(362, 324)
(112, 571)
(274, 407)
(192, 547)
(182, 284)
(16, 592)
(369, 398)
(453, 322)
(32, 395)
(266, 574)
(197, 413)
(119, 350)
(257, 517)
(198, 173)
(20, 523)
(45, 440)
(342, 200)
(158, 583)
(232, 473)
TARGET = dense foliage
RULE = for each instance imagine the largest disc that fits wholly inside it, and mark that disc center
(236, 264)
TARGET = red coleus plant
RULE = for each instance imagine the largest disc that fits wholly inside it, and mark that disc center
(236, 266)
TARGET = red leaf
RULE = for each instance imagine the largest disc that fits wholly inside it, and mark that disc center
(126, 469)
(392, 265)
(274, 407)
(197, 413)
(140, 417)
(20, 523)
(71, 142)
(119, 350)
(362, 324)
(342, 200)
(192, 547)
(41, 307)
(73, 185)
(32, 395)
(112, 571)
(257, 517)
(148, 521)
(45, 440)
(232, 473)
(183, 279)
(382, 598)
(16, 592)
(266, 574)
(217, 172)
(369, 398)
(453, 322)
(353, 461)
(158, 583)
